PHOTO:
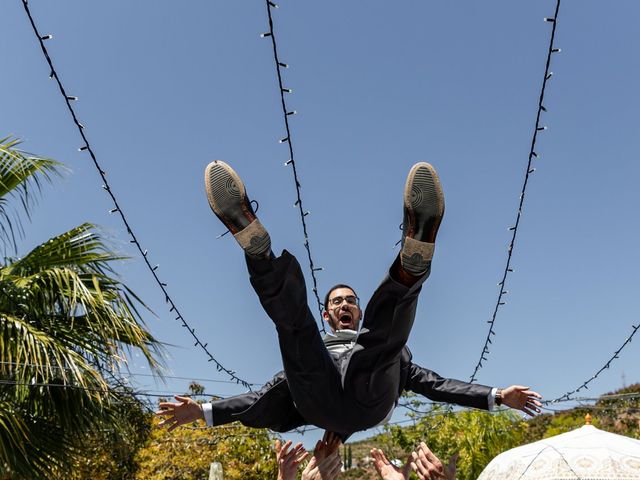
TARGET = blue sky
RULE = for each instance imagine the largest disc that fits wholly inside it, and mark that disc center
(164, 88)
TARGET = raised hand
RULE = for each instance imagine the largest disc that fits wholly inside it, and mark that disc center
(326, 469)
(386, 469)
(328, 445)
(521, 398)
(176, 414)
(289, 460)
(429, 467)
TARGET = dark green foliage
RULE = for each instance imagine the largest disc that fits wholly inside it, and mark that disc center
(65, 319)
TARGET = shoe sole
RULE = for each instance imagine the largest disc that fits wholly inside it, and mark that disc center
(423, 201)
(227, 196)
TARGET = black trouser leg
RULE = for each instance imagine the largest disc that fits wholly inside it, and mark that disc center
(372, 378)
(313, 378)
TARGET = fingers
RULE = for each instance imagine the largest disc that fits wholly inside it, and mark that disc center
(379, 460)
(318, 450)
(330, 467)
(333, 443)
(335, 467)
(429, 454)
(173, 426)
(287, 455)
(531, 393)
(532, 405)
(297, 452)
(425, 468)
(450, 470)
(522, 398)
(284, 450)
(378, 455)
(425, 453)
(302, 456)
(166, 411)
(182, 399)
(425, 471)
(166, 421)
(313, 463)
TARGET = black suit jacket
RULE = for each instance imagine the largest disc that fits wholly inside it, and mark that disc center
(272, 406)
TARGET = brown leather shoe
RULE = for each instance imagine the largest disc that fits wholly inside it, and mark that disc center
(423, 212)
(228, 199)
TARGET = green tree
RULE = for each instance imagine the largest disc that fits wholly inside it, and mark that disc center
(620, 414)
(187, 452)
(65, 319)
(110, 453)
(476, 435)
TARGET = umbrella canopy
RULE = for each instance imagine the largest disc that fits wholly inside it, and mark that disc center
(585, 453)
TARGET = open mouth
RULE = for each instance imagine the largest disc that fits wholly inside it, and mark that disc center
(345, 319)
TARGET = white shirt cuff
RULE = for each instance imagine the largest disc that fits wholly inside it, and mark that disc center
(491, 398)
(207, 410)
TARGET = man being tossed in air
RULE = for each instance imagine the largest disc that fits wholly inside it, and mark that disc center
(351, 379)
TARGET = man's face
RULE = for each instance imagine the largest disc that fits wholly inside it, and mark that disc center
(342, 312)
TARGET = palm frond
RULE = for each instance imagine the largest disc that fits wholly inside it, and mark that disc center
(23, 344)
(42, 449)
(21, 176)
(65, 320)
(13, 432)
(81, 248)
(66, 290)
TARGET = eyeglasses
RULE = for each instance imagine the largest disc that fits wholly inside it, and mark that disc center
(350, 299)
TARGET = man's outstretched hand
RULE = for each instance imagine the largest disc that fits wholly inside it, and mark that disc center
(176, 414)
(522, 398)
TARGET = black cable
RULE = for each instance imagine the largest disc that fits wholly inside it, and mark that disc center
(567, 396)
(117, 209)
(286, 113)
(129, 374)
(532, 154)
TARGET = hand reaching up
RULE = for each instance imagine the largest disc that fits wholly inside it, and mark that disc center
(325, 463)
(386, 469)
(429, 467)
(329, 444)
(289, 460)
(326, 469)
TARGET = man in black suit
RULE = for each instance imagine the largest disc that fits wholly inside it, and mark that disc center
(350, 380)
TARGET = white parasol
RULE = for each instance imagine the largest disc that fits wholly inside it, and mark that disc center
(585, 453)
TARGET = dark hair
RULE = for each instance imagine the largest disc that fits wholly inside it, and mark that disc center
(335, 287)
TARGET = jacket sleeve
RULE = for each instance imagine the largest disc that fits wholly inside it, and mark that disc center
(270, 407)
(433, 386)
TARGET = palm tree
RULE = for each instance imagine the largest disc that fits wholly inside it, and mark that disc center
(65, 320)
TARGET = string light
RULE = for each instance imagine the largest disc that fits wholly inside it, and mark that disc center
(117, 209)
(584, 386)
(529, 170)
(286, 113)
